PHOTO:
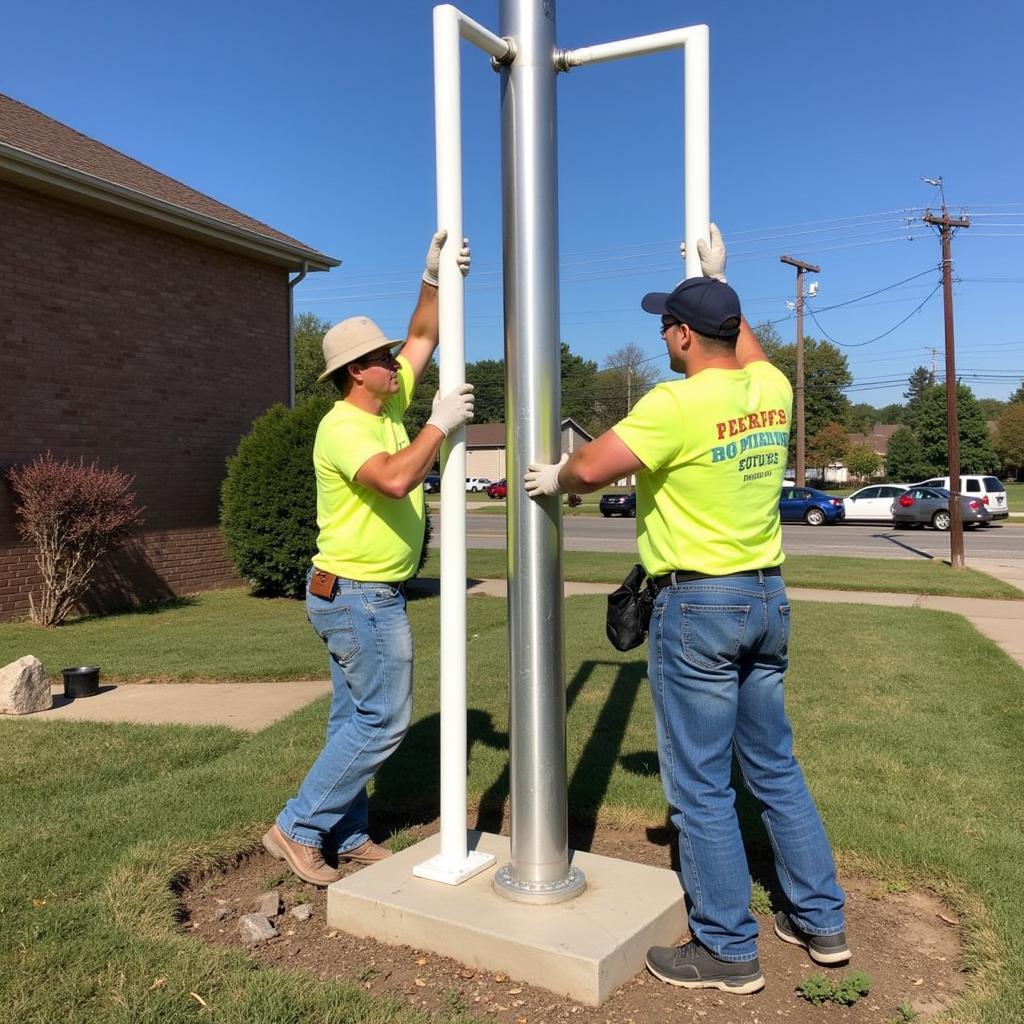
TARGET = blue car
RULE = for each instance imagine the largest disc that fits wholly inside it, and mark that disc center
(807, 505)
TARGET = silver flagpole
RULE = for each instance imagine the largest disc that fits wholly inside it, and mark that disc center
(539, 871)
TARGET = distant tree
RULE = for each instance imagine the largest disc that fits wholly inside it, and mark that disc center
(309, 331)
(422, 404)
(1017, 396)
(488, 377)
(1009, 438)
(976, 452)
(991, 408)
(862, 461)
(917, 384)
(829, 445)
(579, 386)
(904, 459)
(627, 375)
(767, 334)
(826, 373)
(892, 413)
(861, 418)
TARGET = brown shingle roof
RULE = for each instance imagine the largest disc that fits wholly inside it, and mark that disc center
(492, 435)
(878, 439)
(31, 132)
(485, 435)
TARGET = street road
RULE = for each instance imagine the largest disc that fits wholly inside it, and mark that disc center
(594, 533)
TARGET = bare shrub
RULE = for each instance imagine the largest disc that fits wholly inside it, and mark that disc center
(74, 515)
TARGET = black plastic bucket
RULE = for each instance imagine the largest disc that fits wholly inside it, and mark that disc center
(83, 681)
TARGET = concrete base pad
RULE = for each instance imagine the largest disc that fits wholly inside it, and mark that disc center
(584, 948)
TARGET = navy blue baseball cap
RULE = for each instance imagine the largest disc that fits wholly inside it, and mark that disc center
(707, 306)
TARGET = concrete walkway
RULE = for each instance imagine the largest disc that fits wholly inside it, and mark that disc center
(254, 706)
(246, 706)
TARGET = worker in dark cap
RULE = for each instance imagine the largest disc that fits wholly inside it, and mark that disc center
(709, 453)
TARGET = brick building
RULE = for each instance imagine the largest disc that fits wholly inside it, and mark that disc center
(142, 324)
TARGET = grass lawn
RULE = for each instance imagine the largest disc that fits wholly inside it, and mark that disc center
(225, 634)
(909, 576)
(912, 758)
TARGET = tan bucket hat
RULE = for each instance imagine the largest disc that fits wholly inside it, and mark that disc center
(349, 340)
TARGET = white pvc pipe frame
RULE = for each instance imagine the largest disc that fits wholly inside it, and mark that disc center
(455, 863)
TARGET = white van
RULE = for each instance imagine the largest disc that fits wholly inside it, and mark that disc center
(989, 490)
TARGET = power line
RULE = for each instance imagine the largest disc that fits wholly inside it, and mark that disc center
(884, 334)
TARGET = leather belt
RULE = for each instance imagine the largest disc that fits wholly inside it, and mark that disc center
(677, 576)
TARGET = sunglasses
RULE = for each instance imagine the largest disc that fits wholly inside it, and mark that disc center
(666, 323)
(383, 359)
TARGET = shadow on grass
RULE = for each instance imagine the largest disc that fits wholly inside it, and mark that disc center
(420, 587)
(146, 608)
(418, 758)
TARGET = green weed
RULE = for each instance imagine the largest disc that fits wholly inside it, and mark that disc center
(819, 990)
(905, 1014)
(760, 900)
(401, 840)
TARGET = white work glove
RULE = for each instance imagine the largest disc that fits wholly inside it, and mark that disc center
(463, 259)
(541, 478)
(452, 411)
(712, 256)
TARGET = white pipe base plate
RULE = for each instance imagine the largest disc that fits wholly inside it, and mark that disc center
(438, 869)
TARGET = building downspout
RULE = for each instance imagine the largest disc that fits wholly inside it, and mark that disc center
(291, 333)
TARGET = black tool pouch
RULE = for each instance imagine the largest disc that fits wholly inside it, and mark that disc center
(629, 611)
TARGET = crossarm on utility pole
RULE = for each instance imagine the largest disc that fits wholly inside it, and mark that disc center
(799, 389)
(945, 224)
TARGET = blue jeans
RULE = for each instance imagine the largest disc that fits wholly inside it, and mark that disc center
(718, 654)
(369, 642)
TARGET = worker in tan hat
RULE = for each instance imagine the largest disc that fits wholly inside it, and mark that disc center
(370, 513)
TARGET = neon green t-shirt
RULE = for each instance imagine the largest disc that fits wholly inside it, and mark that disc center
(364, 535)
(714, 447)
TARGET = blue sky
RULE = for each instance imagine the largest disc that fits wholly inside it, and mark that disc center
(824, 119)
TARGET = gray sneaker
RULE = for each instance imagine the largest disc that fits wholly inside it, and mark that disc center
(692, 966)
(824, 949)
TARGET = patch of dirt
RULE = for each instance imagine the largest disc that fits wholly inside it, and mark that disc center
(907, 942)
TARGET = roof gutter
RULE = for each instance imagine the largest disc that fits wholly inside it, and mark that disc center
(291, 334)
(41, 174)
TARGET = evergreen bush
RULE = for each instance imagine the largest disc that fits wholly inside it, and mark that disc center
(268, 500)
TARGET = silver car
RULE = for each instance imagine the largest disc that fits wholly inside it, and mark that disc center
(929, 506)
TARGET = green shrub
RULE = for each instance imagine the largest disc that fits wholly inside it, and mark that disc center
(74, 516)
(268, 500)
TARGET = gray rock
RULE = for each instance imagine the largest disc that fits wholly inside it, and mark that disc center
(24, 687)
(303, 912)
(220, 913)
(269, 904)
(256, 928)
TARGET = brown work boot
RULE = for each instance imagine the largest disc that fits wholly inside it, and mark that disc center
(368, 853)
(306, 861)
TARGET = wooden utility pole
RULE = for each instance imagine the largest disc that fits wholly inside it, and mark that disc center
(801, 269)
(945, 225)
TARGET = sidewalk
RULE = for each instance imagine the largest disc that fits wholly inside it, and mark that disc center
(254, 706)
(1001, 621)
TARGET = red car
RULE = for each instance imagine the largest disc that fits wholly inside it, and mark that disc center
(499, 489)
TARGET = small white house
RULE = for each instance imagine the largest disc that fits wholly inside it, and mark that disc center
(485, 446)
